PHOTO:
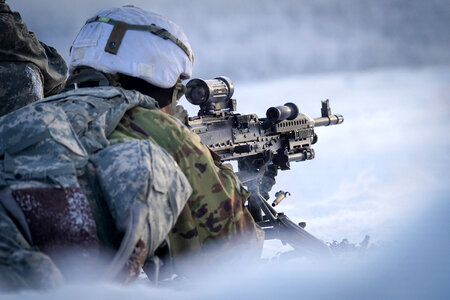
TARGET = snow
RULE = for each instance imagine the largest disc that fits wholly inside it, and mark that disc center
(383, 172)
(414, 268)
(385, 162)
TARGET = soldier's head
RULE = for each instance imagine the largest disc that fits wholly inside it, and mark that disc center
(138, 50)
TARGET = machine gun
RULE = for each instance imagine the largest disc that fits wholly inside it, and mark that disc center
(261, 146)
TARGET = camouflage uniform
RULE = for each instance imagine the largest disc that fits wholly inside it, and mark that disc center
(21, 266)
(29, 69)
(215, 216)
(64, 187)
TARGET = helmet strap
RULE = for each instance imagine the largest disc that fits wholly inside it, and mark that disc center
(119, 29)
(178, 91)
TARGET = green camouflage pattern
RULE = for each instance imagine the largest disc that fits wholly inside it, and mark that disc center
(20, 45)
(215, 216)
(21, 83)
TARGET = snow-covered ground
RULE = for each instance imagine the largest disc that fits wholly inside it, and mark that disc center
(393, 141)
(383, 172)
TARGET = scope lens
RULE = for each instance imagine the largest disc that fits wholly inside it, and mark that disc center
(197, 91)
(198, 94)
(273, 114)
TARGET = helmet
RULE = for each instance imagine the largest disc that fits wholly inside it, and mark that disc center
(134, 42)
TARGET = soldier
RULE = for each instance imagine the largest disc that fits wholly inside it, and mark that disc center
(29, 69)
(132, 56)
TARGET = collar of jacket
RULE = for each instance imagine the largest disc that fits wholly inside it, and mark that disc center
(86, 78)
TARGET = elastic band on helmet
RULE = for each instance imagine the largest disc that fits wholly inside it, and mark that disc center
(115, 39)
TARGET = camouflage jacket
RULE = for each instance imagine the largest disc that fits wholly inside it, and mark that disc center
(76, 191)
(215, 217)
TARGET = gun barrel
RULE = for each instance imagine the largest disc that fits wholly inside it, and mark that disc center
(330, 120)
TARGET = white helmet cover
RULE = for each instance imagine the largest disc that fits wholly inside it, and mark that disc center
(142, 54)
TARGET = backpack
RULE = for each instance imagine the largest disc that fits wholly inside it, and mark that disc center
(44, 149)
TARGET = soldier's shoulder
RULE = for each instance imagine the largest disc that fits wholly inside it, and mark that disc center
(160, 125)
(141, 113)
(98, 91)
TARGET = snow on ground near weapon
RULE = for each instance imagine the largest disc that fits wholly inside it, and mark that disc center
(382, 173)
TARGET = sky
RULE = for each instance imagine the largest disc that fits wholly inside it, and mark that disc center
(385, 66)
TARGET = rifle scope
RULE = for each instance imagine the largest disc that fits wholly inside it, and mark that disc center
(199, 91)
(288, 111)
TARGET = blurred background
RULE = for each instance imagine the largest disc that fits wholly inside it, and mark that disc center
(385, 66)
(256, 39)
